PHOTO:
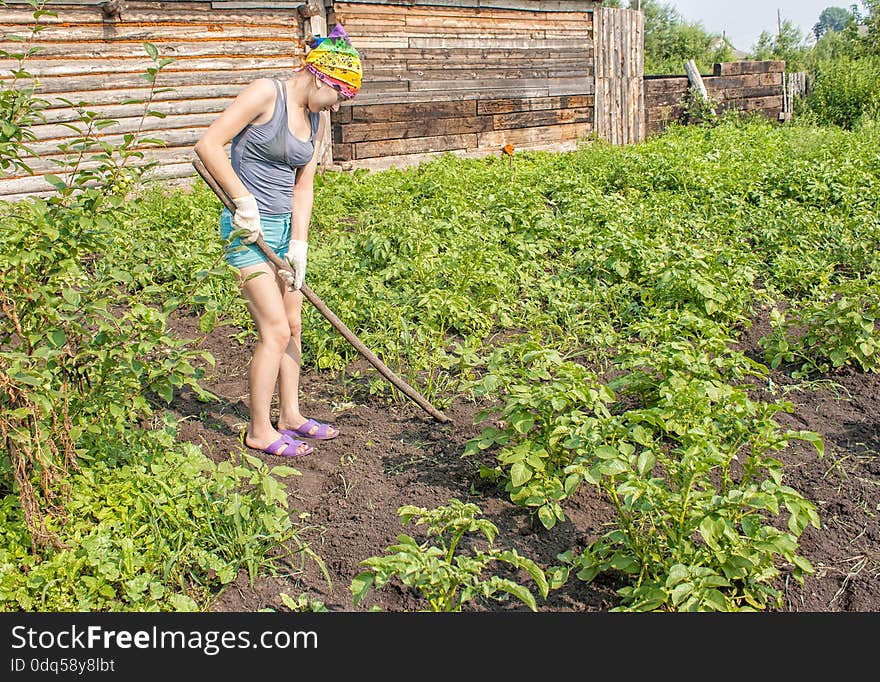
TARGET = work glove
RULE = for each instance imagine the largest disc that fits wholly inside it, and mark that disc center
(247, 217)
(296, 256)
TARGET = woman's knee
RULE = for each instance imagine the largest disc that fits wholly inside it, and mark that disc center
(275, 336)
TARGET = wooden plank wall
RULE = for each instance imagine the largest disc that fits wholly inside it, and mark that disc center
(746, 85)
(218, 48)
(465, 77)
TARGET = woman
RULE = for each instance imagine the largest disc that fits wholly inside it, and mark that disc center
(273, 126)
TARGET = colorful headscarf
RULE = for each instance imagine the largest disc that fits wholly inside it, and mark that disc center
(335, 61)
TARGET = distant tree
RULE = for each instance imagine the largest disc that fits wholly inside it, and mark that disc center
(832, 19)
(832, 45)
(787, 44)
(859, 38)
(871, 21)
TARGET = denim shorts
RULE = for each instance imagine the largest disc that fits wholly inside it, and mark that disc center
(276, 234)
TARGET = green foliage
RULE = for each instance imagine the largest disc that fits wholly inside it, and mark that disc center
(867, 16)
(20, 108)
(832, 45)
(676, 446)
(99, 514)
(786, 44)
(549, 402)
(846, 91)
(699, 110)
(523, 295)
(157, 527)
(689, 469)
(447, 574)
(302, 604)
(838, 329)
(177, 235)
(83, 353)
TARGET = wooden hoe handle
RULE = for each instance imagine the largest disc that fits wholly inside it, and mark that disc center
(280, 263)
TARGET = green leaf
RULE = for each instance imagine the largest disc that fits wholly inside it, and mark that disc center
(208, 321)
(680, 592)
(71, 296)
(606, 452)
(524, 424)
(166, 392)
(810, 437)
(151, 50)
(612, 467)
(646, 462)
(547, 517)
(520, 474)
(283, 471)
(520, 592)
(55, 181)
(641, 435)
(58, 337)
(182, 602)
(361, 585)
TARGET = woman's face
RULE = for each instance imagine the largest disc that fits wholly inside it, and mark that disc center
(324, 97)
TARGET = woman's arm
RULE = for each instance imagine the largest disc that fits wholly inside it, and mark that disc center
(301, 215)
(251, 103)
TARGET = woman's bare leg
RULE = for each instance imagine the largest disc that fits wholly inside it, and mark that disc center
(291, 363)
(266, 306)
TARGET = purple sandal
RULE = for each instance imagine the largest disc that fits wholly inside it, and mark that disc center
(311, 429)
(285, 445)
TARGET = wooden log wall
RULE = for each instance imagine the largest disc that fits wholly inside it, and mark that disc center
(746, 85)
(465, 77)
(218, 47)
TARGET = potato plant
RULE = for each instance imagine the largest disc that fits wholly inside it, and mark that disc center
(448, 568)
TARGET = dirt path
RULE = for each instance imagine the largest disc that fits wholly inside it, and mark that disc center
(388, 456)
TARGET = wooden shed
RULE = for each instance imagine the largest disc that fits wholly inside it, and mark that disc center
(462, 76)
(468, 77)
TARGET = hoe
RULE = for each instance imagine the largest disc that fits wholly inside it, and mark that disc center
(371, 357)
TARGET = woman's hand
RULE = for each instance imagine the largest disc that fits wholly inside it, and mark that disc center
(297, 256)
(247, 217)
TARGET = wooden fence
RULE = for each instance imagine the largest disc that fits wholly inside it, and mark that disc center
(746, 85)
(463, 76)
(795, 85)
(620, 65)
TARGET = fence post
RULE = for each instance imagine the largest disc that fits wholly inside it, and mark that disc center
(696, 80)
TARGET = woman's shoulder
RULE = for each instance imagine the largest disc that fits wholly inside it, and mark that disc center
(260, 91)
(262, 86)
(259, 97)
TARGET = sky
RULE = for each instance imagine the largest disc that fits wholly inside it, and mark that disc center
(743, 20)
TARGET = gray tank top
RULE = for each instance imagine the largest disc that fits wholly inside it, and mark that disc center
(266, 157)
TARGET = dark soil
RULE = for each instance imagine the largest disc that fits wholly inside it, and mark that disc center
(391, 455)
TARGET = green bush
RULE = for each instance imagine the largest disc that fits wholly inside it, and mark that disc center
(846, 90)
